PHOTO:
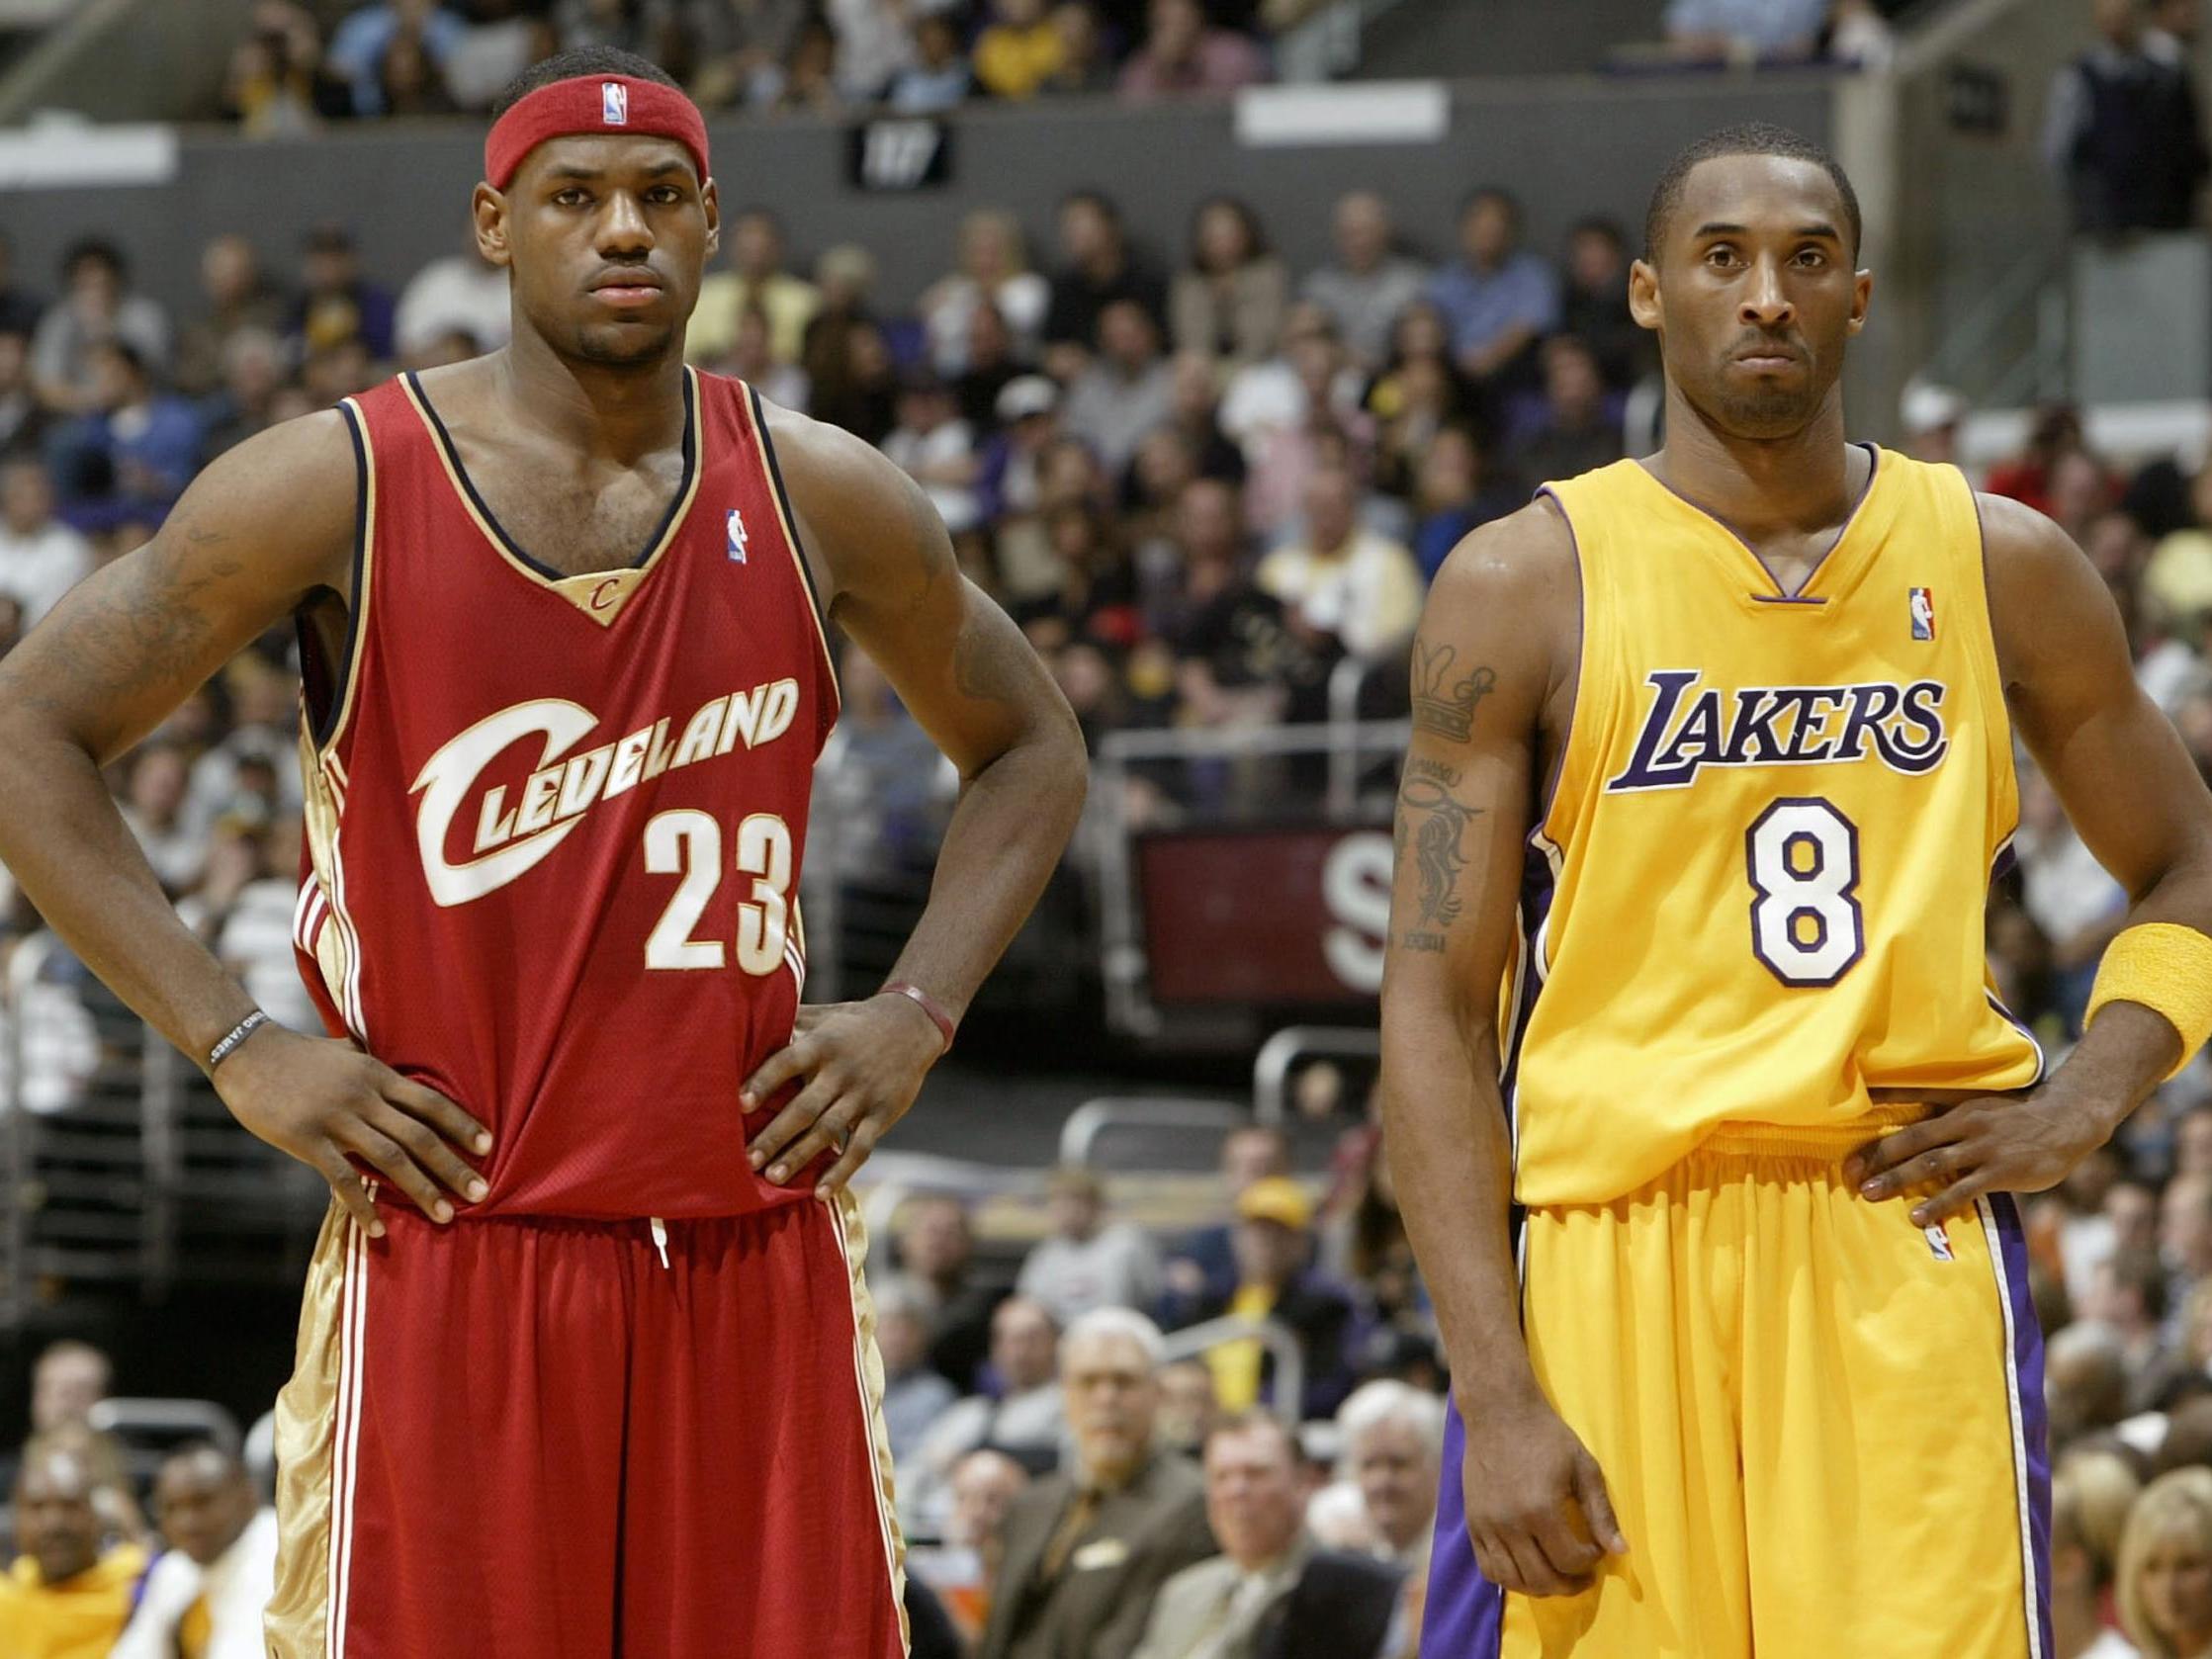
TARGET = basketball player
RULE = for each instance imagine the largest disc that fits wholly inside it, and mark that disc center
(1703, 1112)
(585, 1367)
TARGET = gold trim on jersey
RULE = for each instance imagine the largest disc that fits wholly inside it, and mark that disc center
(868, 1365)
(357, 619)
(318, 1430)
(758, 422)
(337, 947)
(601, 595)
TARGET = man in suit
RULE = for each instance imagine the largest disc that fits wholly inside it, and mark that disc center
(1085, 1551)
(1271, 1593)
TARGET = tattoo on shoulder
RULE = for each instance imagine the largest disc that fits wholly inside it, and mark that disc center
(1432, 823)
(1443, 700)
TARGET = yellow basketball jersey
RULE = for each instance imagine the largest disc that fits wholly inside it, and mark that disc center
(1757, 889)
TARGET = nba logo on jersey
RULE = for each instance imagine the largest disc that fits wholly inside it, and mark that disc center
(1939, 1242)
(736, 536)
(614, 104)
(1923, 614)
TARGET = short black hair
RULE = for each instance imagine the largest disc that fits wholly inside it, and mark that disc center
(584, 61)
(1091, 196)
(97, 250)
(1497, 193)
(1753, 137)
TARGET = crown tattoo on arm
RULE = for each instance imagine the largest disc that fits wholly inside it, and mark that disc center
(1442, 704)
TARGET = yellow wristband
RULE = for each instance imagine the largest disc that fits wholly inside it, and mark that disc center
(2165, 967)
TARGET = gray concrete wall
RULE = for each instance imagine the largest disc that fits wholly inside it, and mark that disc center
(1569, 146)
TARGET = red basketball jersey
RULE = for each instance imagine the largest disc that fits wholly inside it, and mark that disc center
(555, 822)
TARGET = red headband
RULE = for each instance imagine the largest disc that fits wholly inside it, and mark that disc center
(592, 104)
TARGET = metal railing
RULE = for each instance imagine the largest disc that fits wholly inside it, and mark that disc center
(1271, 1067)
(1289, 1391)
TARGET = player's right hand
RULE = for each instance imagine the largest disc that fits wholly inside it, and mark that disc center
(1537, 1509)
(323, 1102)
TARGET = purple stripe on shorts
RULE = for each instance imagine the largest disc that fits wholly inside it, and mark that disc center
(2035, 1427)
(1465, 1618)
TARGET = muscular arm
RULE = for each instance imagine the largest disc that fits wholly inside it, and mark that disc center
(2139, 804)
(963, 670)
(1495, 650)
(2116, 762)
(263, 526)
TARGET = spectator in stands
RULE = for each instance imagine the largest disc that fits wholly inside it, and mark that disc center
(1931, 415)
(875, 41)
(756, 277)
(204, 1598)
(2123, 129)
(63, 1599)
(936, 1271)
(1393, 1449)
(1126, 388)
(1594, 304)
(1292, 427)
(962, 1566)
(2081, 488)
(1087, 1550)
(1274, 1246)
(1576, 431)
(358, 48)
(1228, 300)
(1183, 54)
(501, 40)
(2081, 1572)
(40, 557)
(1370, 283)
(935, 447)
(2055, 430)
(1497, 298)
(96, 306)
(1203, 1266)
(1086, 1261)
(1096, 270)
(751, 357)
(808, 79)
(743, 45)
(2164, 1579)
(1744, 31)
(914, 1395)
(1271, 1590)
(2072, 899)
(68, 1380)
(1342, 580)
(938, 78)
(1196, 414)
(248, 915)
(1084, 66)
(412, 83)
(462, 293)
(1455, 494)
(23, 419)
(238, 298)
(1240, 663)
(1019, 50)
(2086, 1382)
(132, 451)
(993, 273)
(2184, 1235)
(279, 83)
(1189, 1412)
(336, 303)
(995, 361)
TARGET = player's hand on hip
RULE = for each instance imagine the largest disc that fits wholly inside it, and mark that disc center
(863, 1064)
(1987, 1143)
(325, 1102)
(1537, 1512)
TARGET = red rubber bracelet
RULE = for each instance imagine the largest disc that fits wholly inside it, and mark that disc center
(928, 1004)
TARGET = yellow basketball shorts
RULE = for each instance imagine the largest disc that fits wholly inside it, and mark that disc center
(1822, 1427)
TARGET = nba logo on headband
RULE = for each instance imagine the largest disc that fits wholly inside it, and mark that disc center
(614, 103)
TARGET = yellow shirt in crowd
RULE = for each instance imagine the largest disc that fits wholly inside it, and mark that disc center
(1014, 63)
(77, 1618)
(1236, 1365)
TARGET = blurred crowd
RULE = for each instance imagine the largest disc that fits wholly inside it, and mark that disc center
(287, 74)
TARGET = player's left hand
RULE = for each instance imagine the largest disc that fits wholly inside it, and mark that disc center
(1987, 1143)
(863, 1063)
